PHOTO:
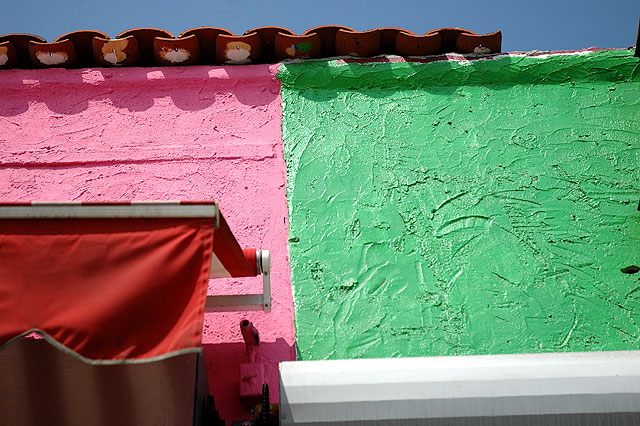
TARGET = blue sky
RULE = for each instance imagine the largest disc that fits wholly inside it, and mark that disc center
(525, 24)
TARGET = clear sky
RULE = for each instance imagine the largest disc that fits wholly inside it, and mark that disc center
(525, 24)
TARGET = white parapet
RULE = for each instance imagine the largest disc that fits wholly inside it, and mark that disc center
(579, 388)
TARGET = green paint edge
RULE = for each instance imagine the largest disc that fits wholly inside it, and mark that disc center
(611, 65)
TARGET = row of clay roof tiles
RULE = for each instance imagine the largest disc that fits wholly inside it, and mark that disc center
(209, 46)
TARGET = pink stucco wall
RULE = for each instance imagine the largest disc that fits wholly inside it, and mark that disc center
(165, 133)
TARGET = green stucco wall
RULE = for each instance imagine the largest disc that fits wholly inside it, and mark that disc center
(464, 208)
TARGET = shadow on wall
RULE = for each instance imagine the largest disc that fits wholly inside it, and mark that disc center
(223, 366)
(378, 79)
(382, 77)
(136, 89)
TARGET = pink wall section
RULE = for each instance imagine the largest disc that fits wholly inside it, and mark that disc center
(156, 134)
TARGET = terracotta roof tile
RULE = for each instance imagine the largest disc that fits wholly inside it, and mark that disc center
(418, 45)
(8, 55)
(267, 41)
(176, 51)
(388, 37)
(475, 43)
(207, 39)
(55, 54)
(211, 45)
(238, 49)
(145, 38)
(449, 37)
(18, 49)
(116, 52)
(83, 43)
(358, 43)
(290, 46)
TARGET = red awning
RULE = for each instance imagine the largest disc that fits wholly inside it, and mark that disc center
(113, 280)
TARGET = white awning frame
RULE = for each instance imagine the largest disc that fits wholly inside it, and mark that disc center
(129, 210)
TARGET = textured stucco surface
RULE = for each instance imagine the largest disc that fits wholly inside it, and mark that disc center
(464, 207)
(164, 133)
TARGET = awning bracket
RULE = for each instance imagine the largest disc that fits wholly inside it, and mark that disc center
(247, 302)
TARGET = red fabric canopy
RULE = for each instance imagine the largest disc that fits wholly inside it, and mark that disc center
(107, 289)
(112, 288)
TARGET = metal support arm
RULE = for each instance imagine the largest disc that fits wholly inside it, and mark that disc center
(247, 302)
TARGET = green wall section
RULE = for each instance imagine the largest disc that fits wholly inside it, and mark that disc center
(464, 208)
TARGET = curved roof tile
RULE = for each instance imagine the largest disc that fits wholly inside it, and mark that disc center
(212, 45)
